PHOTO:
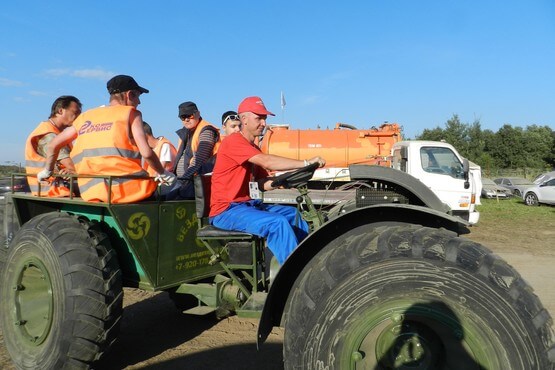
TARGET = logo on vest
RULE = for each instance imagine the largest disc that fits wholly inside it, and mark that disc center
(89, 127)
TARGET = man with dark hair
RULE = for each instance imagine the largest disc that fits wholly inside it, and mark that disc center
(64, 111)
(110, 141)
(198, 145)
(230, 123)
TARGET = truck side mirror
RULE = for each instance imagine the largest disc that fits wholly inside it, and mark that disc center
(466, 170)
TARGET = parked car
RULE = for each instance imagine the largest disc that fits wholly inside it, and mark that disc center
(543, 177)
(515, 184)
(543, 192)
(491, 190)
(19, 184)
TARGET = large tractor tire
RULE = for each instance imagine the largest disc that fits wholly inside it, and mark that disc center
(410, 297)
(61, 294)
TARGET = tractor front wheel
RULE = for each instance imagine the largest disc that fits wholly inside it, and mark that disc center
(61, 294)
(396, 297)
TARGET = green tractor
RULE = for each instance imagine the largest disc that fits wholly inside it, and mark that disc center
(383, 280)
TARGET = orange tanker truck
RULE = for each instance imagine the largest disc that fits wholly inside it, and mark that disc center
(342, 146)
(436, 165)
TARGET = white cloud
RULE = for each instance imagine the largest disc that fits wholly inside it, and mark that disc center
(9, 83)
(91, 73)
(19, 99)
(57, 72)
(37, 93)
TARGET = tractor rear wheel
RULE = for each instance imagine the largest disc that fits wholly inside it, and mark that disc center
(416, 298)
(61, 297)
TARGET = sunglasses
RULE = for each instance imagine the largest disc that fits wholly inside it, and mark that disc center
(231, 117)
(186, 117)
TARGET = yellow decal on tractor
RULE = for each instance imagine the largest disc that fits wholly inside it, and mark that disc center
(138, 225)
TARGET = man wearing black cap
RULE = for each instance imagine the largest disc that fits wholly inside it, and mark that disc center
(110, 141)
(198, 145)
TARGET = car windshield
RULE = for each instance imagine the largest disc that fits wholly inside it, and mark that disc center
(544, 177)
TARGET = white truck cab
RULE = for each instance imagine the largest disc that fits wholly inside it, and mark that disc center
(440, 167)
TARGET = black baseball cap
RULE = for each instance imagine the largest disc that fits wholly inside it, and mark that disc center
(122, 83)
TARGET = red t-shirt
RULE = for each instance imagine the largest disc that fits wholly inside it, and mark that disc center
(232, 173)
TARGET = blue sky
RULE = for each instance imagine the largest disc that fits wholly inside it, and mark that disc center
(357, 62)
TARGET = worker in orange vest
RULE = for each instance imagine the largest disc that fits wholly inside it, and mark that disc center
(110, 141)
(198, 144)
(163, 148)
(62, 114)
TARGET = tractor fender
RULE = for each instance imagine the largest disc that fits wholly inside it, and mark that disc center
(399, 179)
(378, 215)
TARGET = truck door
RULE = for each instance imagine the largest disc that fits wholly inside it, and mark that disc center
(442, 170)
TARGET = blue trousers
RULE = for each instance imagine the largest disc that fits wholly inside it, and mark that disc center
(281, 226)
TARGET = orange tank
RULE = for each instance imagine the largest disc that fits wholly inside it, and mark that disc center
(342, 146)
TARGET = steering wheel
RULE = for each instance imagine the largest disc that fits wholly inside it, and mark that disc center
(295, 178)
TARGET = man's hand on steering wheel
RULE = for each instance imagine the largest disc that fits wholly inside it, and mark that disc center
(299, 176)
(321, 161)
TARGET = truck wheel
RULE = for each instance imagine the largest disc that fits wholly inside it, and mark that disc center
(61, 294)
(416, 298)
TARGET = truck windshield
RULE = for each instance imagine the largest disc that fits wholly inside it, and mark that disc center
(441, 161)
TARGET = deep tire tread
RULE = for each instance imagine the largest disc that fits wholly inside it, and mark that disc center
(93, 286)
(341, 257)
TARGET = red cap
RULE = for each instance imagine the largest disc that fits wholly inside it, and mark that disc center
(255, 105)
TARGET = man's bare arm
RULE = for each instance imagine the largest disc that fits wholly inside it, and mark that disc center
(62, 139)
(276, 163)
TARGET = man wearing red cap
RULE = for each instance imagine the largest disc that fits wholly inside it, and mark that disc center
(239, 165)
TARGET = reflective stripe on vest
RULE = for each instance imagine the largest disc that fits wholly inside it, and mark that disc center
(102, 152)
(104, 147)
(34, 163)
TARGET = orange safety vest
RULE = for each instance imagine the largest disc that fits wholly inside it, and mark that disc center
(157, 149)
(34, 163)
(195, 139)
(104, 147)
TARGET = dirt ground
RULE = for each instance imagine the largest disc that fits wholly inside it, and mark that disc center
(154, 335)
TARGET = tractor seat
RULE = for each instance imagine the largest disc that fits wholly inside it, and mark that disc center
(210, 231)
(202, 204)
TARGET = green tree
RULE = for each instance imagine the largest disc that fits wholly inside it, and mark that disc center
(507, 147)
(538, 144)
(456, 134)
(551, 159)
(476, 143)
(435, 134)
(467, 139)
